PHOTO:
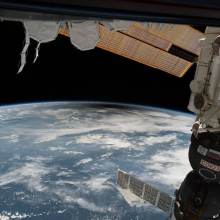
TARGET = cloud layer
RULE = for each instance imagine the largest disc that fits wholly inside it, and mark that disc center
(29, 173)
(77, 149)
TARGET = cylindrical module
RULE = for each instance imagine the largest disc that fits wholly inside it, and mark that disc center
(205, 88)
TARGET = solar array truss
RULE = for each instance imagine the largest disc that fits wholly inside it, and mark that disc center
(145, 191)
(150, 46)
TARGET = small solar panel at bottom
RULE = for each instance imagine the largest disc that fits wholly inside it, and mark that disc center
(145, 191)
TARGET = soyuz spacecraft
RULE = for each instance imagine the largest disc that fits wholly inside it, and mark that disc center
(198, 197)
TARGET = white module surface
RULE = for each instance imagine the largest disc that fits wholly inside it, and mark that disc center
(117, 25)
(84, 35)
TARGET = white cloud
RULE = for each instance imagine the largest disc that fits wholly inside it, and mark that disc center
(65, 173)
(19, 216)
(15, 157)
(61, 211)
(73, 152)
(85, 204)
(98, 184)
(39, 159)
(158, 139)
(56, 148)
(52, 134)
(94, 185)
(45, 137)
(12, 138)
(121, 141)
(106, 141)
(8, 215)
(62, 182)
(104, 166)
(3, 217)
(83, 161)
(76, 197)
(167, 167)
(116, 143)
(142, 122)
(69, 142)
(106, 155)
(89, 139)
(30, 174)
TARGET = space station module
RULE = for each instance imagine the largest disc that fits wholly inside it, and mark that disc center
(205, 87)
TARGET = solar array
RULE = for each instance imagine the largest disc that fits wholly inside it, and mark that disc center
(145, 191)
(139, 51)
(151, 46)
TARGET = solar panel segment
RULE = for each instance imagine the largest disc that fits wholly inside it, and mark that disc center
(183, 36)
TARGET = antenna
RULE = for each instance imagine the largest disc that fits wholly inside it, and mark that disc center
(23, 53)
(37, 52)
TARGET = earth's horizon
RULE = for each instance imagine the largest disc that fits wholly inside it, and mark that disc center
(92, 102)
(98, 103)
(59, 159)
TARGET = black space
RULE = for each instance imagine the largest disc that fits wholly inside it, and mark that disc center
(63, 73)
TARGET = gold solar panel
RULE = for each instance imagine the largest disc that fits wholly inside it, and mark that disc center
(136, 50)
(127, 44)
(143, 35)
(64, 30)
(183, 36)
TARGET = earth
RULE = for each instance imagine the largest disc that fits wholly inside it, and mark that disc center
(59, 160)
